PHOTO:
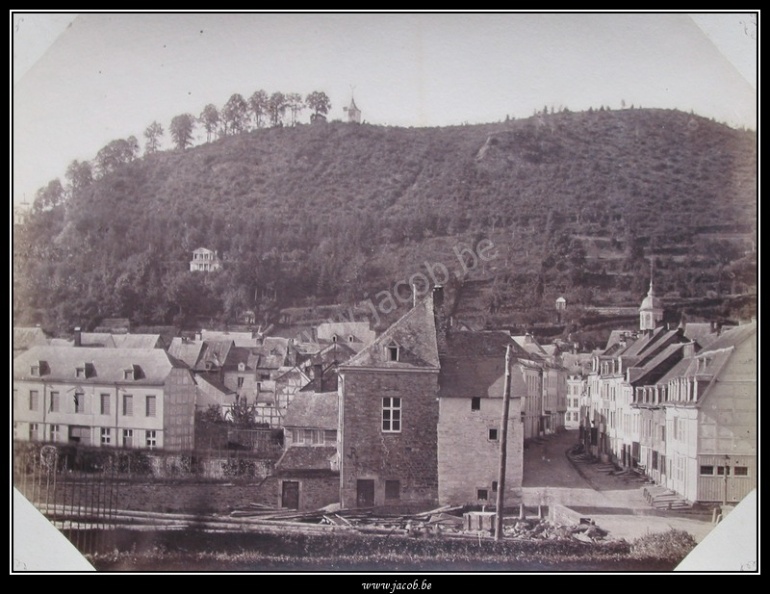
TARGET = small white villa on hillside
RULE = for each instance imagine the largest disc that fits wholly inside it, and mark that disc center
(205, 260)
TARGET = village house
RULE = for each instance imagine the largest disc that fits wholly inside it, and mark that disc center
(389, 416)
(134, 398)
(307, 474)
(544, 413)
(354, 335)
(420, 414)
(471, 389)
(205, 260)
(576, 366)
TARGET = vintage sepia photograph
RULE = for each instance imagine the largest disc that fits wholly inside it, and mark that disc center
(393, 296)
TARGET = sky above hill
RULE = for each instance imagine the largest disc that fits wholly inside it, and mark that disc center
(83, 80)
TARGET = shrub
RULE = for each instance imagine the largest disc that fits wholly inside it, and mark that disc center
(673, 545)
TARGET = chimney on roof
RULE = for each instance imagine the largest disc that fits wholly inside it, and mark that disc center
(318, 376)
(78, 337)
(688, 350)
(199, 335)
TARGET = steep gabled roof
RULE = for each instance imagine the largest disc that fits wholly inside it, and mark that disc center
(530, 345)
(414, 334)
(151, 366)
(732, 336)
(187, 351)
(473, 364)
(313, 410)
(657, 366)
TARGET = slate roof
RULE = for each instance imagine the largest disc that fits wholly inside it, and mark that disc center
(529, 344)
(414, 334)
(656, 367)
(212, 385)
(241, 339)
(732, 336)
(360, 331)
(700, 332)
(473, 364)
(187, 351)
(311, 460)
(119, 341)
(313, 410)
(104, 365)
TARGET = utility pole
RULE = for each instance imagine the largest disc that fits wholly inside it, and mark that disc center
(503, 447)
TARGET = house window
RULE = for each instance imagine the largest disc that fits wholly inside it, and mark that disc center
(392, 490)
(80, 402)
(264, 376)
(33, 399)
(392, 353)
(53, 432)
(482, 495)
(106, 435)
(493, 435)
(128, 405)
(240, 382)
(475, 403)
(54, 402)
(150, 439)
(149, 406)
(741, 471)
(128, 438)
(330, 436)
(33, 427)
(721, 470)
(494, 486)
(391, 415)
(104, 404)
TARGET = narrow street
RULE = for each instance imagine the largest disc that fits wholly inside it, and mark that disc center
(616, 503)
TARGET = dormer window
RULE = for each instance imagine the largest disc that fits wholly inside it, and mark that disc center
(241, 366)
(351, 338)
(392, 353)
(128, 374)
(334, 338)
(80, 372)
(35, 370)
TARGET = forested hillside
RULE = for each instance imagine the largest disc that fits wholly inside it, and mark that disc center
(574, 204)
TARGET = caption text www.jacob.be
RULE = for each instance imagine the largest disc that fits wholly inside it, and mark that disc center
(393, 587)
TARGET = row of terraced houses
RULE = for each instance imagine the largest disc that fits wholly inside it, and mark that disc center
(678, 405)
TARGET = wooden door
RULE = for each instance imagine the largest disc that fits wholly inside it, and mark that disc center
(365, 493)
(290, 495)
